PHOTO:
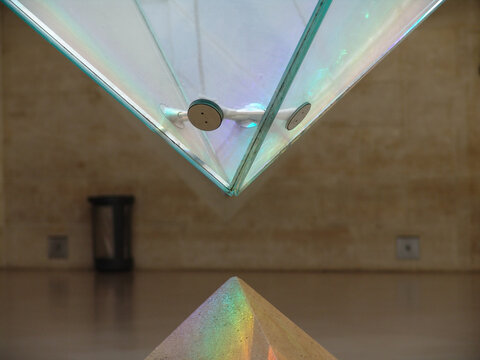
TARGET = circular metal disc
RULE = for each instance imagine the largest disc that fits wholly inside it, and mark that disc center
(298, 116)
(205, 115)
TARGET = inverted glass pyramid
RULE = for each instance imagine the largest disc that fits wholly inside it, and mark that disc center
(229, 84)
(236, 323)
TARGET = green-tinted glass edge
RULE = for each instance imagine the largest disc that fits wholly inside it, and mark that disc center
(289, 74)
(22, 12)
(337, 99)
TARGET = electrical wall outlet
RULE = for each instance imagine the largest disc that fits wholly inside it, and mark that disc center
(58, 247)
(408, 247)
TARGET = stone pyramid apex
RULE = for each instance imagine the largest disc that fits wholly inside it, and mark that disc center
(237, 323)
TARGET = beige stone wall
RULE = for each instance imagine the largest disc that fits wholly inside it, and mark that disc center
(3, 250)
(399, 155)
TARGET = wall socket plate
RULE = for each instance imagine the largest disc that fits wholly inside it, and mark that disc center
(408, 247)
(57, 246)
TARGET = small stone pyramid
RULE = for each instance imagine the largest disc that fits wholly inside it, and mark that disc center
(236, 323)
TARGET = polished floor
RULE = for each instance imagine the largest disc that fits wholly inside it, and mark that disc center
(83, 315)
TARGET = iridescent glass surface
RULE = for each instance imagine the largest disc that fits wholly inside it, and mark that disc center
(258, 60)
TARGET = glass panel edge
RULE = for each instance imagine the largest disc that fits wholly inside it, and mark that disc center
(294, 64)
(413, 27)
(23, 13)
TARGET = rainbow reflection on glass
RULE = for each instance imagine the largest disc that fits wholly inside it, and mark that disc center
(258, 61)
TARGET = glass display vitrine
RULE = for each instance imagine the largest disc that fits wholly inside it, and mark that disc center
(229, 84)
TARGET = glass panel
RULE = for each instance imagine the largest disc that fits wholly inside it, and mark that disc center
(353, 37)
(175, 63)
(236, 61)
(157, 56)
(106, 38)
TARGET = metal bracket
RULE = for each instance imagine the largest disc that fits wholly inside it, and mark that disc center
(206, 115)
